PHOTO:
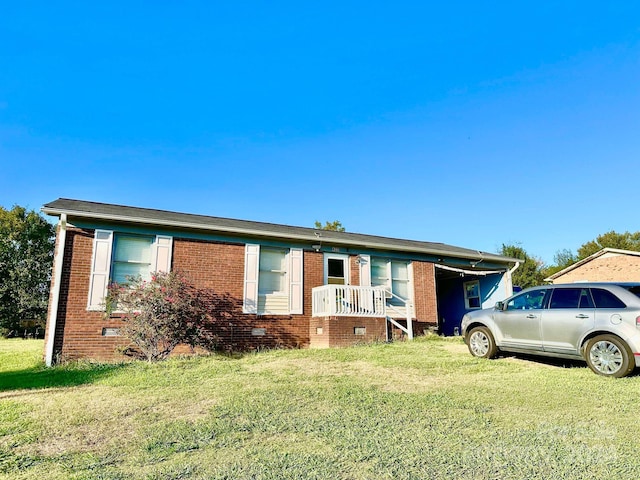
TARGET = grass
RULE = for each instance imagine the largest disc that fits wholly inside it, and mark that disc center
(422, 409)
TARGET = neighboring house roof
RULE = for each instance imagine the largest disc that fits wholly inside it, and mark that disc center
(146, 216)
(598, 254)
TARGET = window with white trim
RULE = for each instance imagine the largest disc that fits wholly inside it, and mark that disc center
(336, 269)
(273, 297)
(472, 298)
(393, 274)
(117, 256)
(272, 280)
(131, 257)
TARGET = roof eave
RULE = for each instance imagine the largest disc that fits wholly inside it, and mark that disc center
(593, 256)
(271, 234)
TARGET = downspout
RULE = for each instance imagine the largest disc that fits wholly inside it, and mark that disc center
(55, 291)
(510, 281)
(515, 267)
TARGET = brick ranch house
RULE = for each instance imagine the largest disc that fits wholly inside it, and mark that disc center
(606, 265)
(271, 285)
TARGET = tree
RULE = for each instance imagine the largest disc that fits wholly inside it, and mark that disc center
(26, 254)
(335, 226)
(612, 239)
(562, 259)
(529, 273)
(160, 314)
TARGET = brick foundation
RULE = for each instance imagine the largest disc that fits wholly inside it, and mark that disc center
(327, 332)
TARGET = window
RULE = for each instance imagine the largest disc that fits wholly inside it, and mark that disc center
(379, 273)
(117, 256)
(131, 257)
(273, 272)
(571, 298)
(635, 289)
(606, 299)
(336, 269)
(394, 275)
(272, 280)
(585, 299)
(533, 300)
(472, 295)
(400, 280)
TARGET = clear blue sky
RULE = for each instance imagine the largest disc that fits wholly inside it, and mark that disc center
(464, 122)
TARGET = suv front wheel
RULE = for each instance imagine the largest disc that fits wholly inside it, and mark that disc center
(481, 343)
(608, 355)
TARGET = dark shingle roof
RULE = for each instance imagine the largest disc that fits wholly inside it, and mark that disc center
(110, 212)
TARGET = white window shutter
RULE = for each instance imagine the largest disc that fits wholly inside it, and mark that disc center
(251, 273)
(161, 258)
(367, 301)
(296, 292)
(412, 296)
(410, 278)
(100, 267)
(365, 270)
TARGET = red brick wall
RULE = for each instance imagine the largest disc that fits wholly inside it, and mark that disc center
(218, 269)
(340, 331)
(79, 331)
(354, 270)
(610, 267)
(426, 305)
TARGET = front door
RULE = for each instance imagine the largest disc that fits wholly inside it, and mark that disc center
(336, 269)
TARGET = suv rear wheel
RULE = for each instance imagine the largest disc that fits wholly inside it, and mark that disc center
(608, 355)
(481, 343)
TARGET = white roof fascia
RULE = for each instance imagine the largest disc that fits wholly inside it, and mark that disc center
(260, 233)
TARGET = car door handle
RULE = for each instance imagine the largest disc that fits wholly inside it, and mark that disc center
(582, 315)
(531, 315)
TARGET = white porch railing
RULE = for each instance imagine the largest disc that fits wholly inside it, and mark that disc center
(348, 301)
(355, 301)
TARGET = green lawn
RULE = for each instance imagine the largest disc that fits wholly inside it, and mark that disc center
(421, 410)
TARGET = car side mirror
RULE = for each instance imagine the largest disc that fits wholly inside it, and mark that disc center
(499, 306)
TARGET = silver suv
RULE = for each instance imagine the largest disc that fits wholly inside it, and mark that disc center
(596, 322)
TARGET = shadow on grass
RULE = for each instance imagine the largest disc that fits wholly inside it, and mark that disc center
(550, 361)
(556, 362)
(62, 376)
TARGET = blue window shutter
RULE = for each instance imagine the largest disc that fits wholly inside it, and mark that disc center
(251, 273)
(100, 268)
(296, 291)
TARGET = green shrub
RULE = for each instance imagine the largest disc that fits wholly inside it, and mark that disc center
(160, 313)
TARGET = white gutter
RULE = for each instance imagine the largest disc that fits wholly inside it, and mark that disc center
(469, 272)
(55, 291)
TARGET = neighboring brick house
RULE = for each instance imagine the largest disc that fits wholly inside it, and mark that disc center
(269, 285)
(606, 265)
